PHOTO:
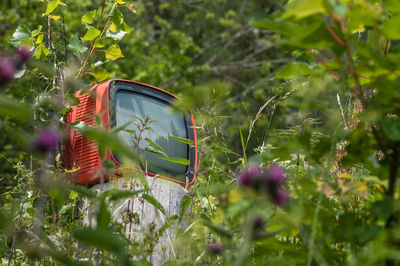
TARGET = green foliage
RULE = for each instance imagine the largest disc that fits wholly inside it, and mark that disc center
(310, 85)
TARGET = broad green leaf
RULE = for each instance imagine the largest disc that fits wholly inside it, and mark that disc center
(100, 74)
(21, 33)
(114, 52)
(117, 17)
(51, 6)
(76, 44)
(83, 191)
(176, 160)
(63, 259)
(303, 8)
(37, 31)
(154, 150)
(143, 180)
(183, 140)
(153, 143)
(185, 204)
(223, 149)
(88, 17)
(100, 43)
(294, 69)
(166, 225)
(117, 35)
(100, 238)
(41, 52)
(66, 207)
(10, 107)
(391, 126)
(91, 34)
(218, 229)
(39, 39)
(116, 194)
(153, 201)
(298, 30)
(103, 215)
(108, 140)
(390, 27)
(121, 2)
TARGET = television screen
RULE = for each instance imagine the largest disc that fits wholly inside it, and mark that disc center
(133, 102)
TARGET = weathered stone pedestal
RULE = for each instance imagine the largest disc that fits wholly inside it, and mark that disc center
(139, 217)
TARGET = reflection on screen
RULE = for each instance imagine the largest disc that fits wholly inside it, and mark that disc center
(129, 105)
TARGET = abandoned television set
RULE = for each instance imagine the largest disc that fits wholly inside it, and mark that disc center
(121, 102)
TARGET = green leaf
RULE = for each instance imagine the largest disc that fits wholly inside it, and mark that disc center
(21, 33)
(76, 44)
(121, 2)
(41, 52)
(114, 52)
(99, 238)
(268, 22)
(154, 150)
(130, 131)
(391, 126)
(117, 35)
(185, 204)
(183, 140)
(143, 180)
(37, 31)
(176, 160)
(294, 69)
(12, 108)
(116, 194)
(223, 149)
(390, 27)
(100, 74)
(84, 191)
(303, 8)
(153, 143)
(91, 34)
(166, 225)
(88, 17)
(50, 7)
(243, 146)
(64, 259)
(108, 140)
(65, 208)
(103, 215)
(218, 229)
(153, 201)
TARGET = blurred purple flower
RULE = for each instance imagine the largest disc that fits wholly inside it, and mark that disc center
(215, 248)
(281, 198)
(47, 140)
(249, 176)
(276, 174)
(7, 70)
(23, 55)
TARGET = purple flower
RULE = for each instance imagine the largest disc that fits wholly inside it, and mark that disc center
(249, 176)
(23, 55)
(7, 70)
(47, 140)
(276, 174)
(215, 248)
(281, 198)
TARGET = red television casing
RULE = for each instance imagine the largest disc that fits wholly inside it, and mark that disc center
(83, 153)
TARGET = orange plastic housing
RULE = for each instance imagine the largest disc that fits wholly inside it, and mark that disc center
(83, 153)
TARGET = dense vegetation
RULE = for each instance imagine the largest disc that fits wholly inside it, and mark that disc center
(297, 111)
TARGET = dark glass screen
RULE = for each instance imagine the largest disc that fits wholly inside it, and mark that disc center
(130, 105)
